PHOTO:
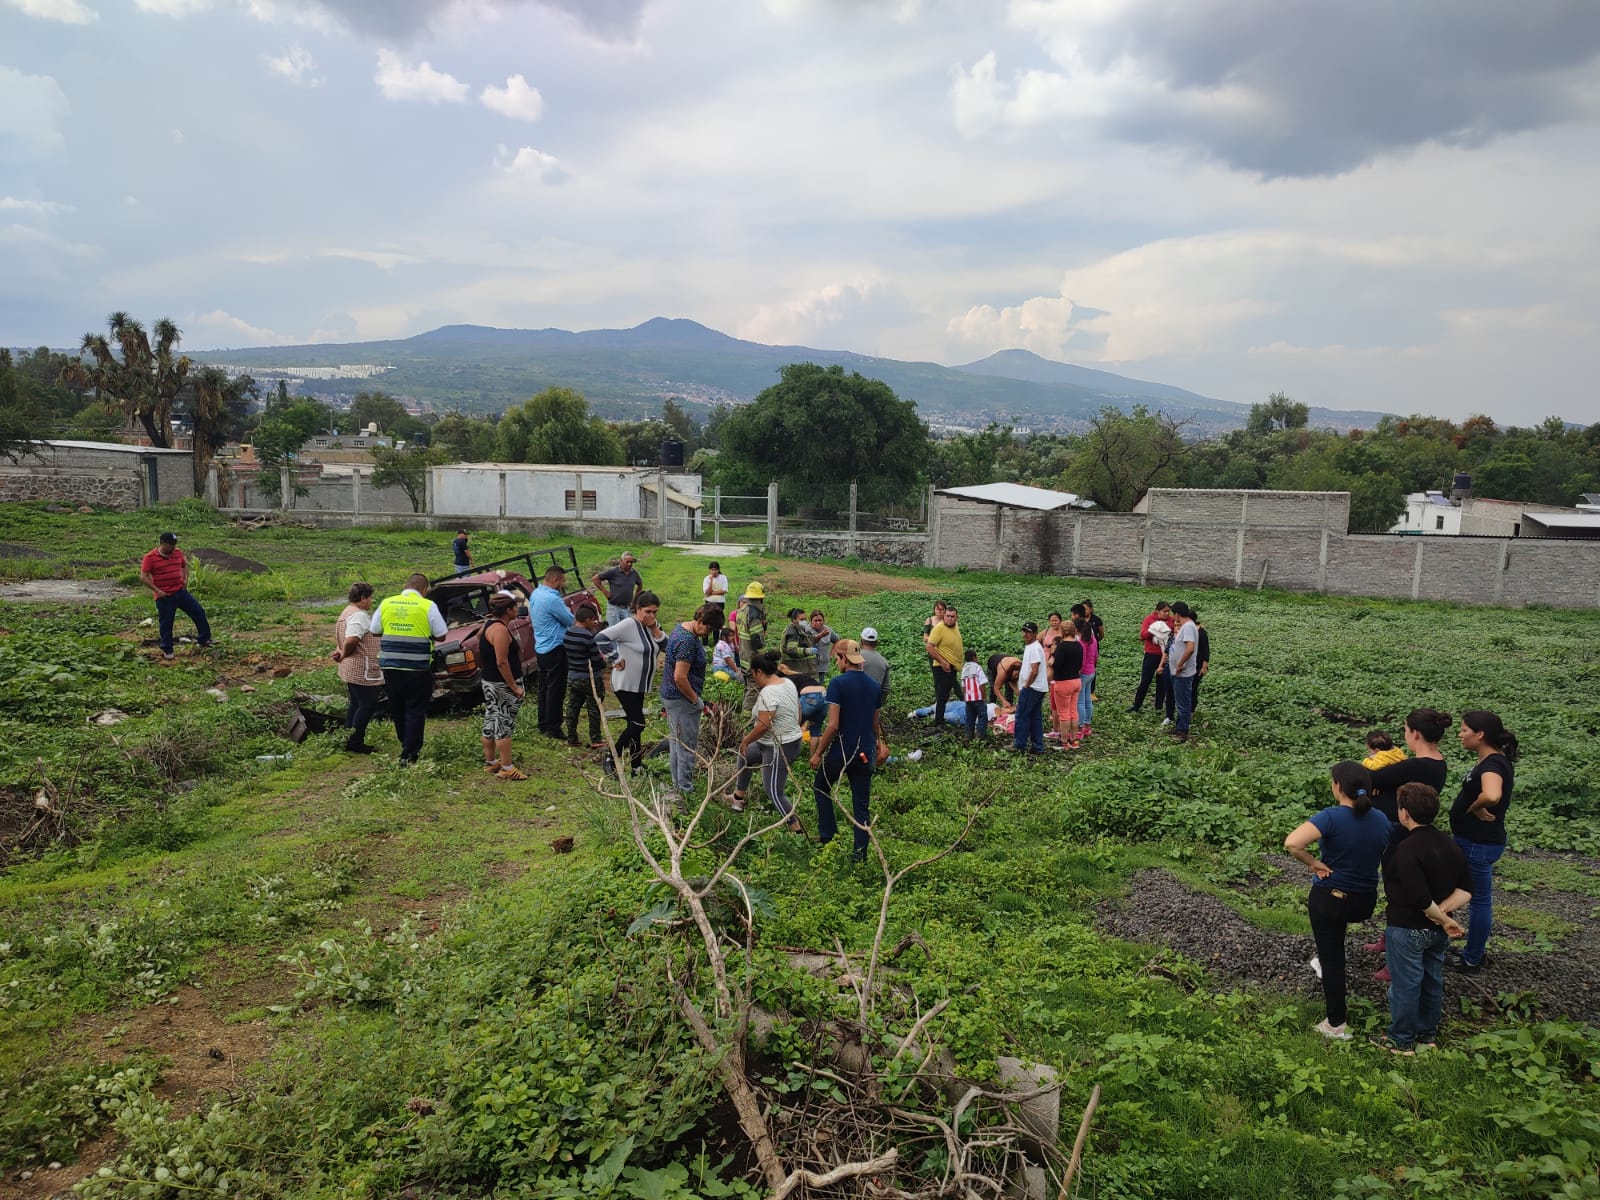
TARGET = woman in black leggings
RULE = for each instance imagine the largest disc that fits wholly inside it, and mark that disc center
(631, 646)
(1344, 885)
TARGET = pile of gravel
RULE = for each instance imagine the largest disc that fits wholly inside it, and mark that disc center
(1161, 910)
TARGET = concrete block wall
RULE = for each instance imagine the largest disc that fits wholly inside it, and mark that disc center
(1105, 545)
(1372, 565)
(1291, 540)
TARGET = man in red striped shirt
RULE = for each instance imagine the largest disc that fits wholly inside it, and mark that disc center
(165, 572)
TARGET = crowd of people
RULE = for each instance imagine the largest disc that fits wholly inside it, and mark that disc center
(811, 684)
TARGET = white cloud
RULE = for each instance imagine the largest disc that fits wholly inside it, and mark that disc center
(220, 326)
(296, 65)
(175, 136)
(385, 260)
(41, 208)
(528, 163)
(68, 12)
(32, 108)
(397, 81)
(518, 99)
(173, 8)
(801, 319)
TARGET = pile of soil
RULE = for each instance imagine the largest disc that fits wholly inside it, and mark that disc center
(221, 560)
(1162, 910)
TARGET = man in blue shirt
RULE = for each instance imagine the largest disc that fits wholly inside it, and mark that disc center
(850, 745)
(551, 620)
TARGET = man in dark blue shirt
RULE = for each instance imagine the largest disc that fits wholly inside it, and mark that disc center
(850, 745)
(463, 553)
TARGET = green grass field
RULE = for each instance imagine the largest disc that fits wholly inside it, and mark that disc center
(329, 977)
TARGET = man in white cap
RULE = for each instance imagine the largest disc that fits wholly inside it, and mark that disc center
(873, 663)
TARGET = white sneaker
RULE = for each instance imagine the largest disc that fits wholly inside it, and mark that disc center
(1165, 721)
(1316, 965)
(1337, 1033)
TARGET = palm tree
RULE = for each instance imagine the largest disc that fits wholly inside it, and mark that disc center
(217, 397)
(144, 379)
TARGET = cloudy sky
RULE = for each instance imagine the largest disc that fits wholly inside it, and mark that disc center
(1366, 204)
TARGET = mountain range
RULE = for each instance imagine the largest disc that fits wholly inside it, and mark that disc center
(628, 372)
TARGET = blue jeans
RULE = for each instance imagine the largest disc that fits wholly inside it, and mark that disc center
(1085, 704)
(1029, 728)
(683, 723)
(859, 771)
(1481, 858)
(167, 609)
(1416, 982)
(1183, 692)
(976, 718)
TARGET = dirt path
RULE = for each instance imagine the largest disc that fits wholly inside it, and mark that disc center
(838, 583)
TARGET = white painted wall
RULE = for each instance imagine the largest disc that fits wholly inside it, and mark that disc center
(475, 490)
(1423, 516)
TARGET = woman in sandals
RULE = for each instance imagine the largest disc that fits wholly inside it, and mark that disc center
(1344, 880)
(500, 665)
(774, 742)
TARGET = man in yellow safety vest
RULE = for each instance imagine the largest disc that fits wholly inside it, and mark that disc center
(407, 626)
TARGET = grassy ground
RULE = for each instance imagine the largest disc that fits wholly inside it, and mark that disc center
(324, 977)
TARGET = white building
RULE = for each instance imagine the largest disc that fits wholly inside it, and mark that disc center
(1429, 512)
(572, 492)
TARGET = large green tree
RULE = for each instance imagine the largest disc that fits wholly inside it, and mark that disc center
(20, 423)
(817, 430)
(405, 469)
(1123, 455)
(286, 425)
(387, 413)
(556, 427)
(462, 438)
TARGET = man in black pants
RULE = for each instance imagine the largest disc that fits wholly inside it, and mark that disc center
(407, 625)
(551, 620)
(947, 654)
(851, 745)
(1154, 653)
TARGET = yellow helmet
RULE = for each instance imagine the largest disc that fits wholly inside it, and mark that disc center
(722, 675)
(756, 592)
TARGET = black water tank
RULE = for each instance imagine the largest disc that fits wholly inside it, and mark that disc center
(670, 454)
(1460, 486)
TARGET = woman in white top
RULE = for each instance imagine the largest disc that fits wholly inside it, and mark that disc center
(774, 742)
(356, 652)
(714, 587)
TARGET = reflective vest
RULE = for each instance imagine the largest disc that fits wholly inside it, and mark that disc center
(405, 643)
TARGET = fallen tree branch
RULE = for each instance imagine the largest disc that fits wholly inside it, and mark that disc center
(853, 1170)
(1077, 1145)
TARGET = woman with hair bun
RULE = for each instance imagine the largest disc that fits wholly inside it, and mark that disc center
(1478, 821)
(1344, 883)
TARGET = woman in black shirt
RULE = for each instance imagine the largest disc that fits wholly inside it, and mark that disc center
(1425, 728)
(1066, 678)
(1478, 820)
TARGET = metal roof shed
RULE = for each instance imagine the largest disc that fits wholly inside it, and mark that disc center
(1017, 495)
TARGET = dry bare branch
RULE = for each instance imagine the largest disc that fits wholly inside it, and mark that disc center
(852, 1170)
